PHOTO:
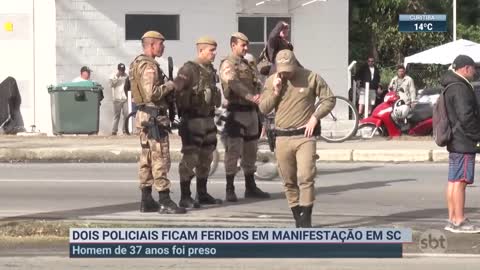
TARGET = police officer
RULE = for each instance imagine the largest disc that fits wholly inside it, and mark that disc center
(242, 90)
(196, 101)
(292, 92)
(149, 91)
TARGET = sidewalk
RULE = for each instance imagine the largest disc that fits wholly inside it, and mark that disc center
(127, 149)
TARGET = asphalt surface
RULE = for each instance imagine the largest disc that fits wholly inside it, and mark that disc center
(348, 195)
(57, 263)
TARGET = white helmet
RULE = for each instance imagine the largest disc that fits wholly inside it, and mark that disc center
(400, 110)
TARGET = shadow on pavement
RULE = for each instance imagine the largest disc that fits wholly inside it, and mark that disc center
(345, 170)
(434, 213)
(134, 206)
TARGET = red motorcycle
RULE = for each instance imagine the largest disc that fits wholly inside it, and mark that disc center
(393, 117)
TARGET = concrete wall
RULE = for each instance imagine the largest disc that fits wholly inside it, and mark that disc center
(27, 53)
(92, 33)
(321, 40)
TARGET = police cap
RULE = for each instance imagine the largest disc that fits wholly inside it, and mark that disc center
(153, 34)
(206, 40)
(286, 61)
(240, 36)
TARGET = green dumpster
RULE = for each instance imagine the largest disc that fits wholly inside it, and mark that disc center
(75, 107)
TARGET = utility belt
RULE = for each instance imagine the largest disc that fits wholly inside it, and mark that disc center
(241, 108)
(191, 114)
(296, 132)
(154, 111)
(155, 129)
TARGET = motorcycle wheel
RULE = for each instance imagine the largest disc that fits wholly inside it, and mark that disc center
(266, 162)
(368, 131)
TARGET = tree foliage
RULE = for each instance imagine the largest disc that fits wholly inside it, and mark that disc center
(374, 30)
(377, 23)
(471, 32)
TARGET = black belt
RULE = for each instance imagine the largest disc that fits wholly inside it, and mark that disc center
(152, 110)
(193, 114)
(288, 133)
(240, 108)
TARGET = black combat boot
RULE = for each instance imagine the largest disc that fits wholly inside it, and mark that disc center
(251, 189)
(148, 204)
(167, 206)
(231, 196)
(186, 200)
(202, 195)
(306, 217)
(297, 212)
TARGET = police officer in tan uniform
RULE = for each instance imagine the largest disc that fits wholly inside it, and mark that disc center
(150, 93)
(242, 90)
(292, 92)
(196, 100)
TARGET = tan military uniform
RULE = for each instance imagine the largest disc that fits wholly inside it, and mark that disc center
(242, 127)
(196, 101)
(294, 106)
(154, 164)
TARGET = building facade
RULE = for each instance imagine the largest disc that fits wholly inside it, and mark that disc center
(51, 39)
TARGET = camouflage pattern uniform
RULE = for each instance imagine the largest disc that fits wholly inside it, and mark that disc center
(150, 91)
(239, 83)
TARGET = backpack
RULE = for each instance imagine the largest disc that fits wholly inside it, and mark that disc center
(442, 130)
(264, 65)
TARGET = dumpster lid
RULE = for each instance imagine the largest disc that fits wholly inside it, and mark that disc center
(75, 86)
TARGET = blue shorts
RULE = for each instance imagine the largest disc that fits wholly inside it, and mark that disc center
(461, 167)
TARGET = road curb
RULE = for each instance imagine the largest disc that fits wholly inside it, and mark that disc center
(400, 155)
(334, 155)
(440, 155)
(131, 154)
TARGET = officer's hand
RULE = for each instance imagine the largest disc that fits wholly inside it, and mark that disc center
(277, 84)
(256, 99)
(312, 123)
(170, 86)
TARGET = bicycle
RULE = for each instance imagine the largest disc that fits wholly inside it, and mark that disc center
(129, 120)
(341, 123)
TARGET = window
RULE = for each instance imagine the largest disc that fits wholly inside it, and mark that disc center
(257, 30)
(253, 27)
(137, 24)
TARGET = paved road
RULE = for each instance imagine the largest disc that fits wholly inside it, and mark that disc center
(348, 195)
(57, 263)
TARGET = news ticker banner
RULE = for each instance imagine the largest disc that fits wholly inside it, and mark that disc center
(237, 243)
(422, 23)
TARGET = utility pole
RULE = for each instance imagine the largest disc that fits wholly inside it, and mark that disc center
(454, 20)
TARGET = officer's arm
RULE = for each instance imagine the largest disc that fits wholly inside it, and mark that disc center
(258, 85)
(269, 100)
(184, 78)
(218, 97)
(158, 92)
(325, 95)
(231, 80)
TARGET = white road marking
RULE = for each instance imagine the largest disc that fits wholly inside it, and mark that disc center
(69, 181)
